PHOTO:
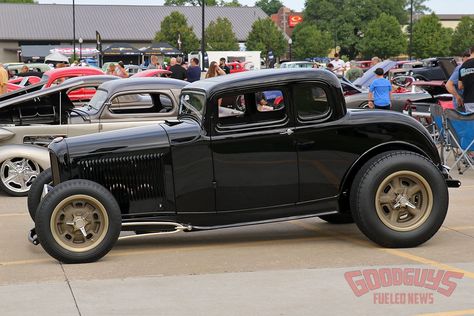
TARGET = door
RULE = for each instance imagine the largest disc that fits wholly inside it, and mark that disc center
(255, 163)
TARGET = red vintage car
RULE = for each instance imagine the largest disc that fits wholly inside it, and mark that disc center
(151, 73)
(240, 66)
(20, 82)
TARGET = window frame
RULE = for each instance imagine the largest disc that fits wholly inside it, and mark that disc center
(327, 116)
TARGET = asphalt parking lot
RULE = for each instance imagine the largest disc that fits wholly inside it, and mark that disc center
(290, 268)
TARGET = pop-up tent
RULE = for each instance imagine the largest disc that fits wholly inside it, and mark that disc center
(56, 57)
(161, 48)
(122, 51)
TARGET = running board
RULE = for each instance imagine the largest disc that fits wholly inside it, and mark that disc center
(177, 228)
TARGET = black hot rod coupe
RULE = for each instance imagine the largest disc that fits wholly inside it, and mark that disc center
(246, 149)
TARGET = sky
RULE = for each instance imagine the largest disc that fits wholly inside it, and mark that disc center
(438, 6)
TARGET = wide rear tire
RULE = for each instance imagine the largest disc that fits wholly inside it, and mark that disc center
(78, 221)
(399, 199)
(36, 190)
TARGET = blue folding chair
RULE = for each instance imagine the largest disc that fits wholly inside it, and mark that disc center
(461, 132)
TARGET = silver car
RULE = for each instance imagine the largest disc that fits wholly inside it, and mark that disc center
(28, 123)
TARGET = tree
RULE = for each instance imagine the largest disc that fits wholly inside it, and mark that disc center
(463, 36)
(17, 1)
(383, 37)
(344, 18)
(269, 6)
(233, 3)
(309, 41)
(220, 36)
(189, 2)
(266, 36)
(430, 38)
(419, 7)
(174, 27)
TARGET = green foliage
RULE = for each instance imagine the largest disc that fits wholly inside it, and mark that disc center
(174, 26)
(220, 36)
(233, 3)
(309, 41)
(190, 2)
(269, 6)
(463, 36)
(265, 36)
(419, 7)
(17, 1)
(383, 38)
(430, 38)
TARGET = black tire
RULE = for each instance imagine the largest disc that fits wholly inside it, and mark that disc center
(412, 172)
(36, 190)
(341, 218)
(62, 240)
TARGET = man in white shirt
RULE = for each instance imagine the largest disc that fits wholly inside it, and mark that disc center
(339, 65)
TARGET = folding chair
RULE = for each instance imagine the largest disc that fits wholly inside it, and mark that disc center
(461, 132)
(439, 134)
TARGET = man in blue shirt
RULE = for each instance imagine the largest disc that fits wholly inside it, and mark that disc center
(452, 84)
(194, 71)
(380, 92)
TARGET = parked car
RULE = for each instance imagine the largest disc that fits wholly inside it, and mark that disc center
(297, 64)
(14, 68)
(308, 157)
(359, 98)
(30, 122)
(433, 69)
(151, 73)
(364, 64)
(236, 67)
(52, 78)
(21, 82)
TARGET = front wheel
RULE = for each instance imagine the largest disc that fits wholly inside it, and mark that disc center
(36, 190)
(17, 175)
(399, 199)
(78, 221)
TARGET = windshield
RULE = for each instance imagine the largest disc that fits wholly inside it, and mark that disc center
(192, 103)
(96, 102)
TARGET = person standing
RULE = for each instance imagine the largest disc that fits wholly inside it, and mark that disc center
(214, 71)
(3, 79)
(177, 71)
(121, 71)
(339, 65)
(194, 71)
(452, 83)
(223, 66)
(374, 61)
(354, 72)
(154, 64)
(380, 92)
(466, 82)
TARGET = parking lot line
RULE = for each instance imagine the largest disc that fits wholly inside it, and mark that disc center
(394, 252)
(12, 214)
(451, 313)
(24, 262)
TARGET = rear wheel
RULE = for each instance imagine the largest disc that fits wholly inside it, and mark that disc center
(17, 175)
(78, 221)
(393, 199)
(36, 190)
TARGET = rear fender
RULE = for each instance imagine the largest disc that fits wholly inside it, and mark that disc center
(36, 153)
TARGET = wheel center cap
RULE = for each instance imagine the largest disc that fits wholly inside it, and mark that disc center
(79, 223)
(402, 201)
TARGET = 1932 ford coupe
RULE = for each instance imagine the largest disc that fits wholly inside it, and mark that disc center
(248, 148)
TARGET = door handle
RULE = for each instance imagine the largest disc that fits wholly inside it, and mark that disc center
(287, 132)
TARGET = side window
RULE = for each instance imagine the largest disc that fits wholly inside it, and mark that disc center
(253, 107)
(141, 103)
(311, 102)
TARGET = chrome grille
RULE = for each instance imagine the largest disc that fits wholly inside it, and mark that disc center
(130, 179)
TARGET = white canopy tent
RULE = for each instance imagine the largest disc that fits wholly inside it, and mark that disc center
(56, 57)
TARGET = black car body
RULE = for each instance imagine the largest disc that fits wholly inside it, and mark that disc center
(439, 68)
(307, 157)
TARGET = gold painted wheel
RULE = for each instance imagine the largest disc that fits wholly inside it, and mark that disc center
(404, 201)
(79, 223)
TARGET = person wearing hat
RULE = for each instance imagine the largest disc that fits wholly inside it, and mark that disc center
(380, 92)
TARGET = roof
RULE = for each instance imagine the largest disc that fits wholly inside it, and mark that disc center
(136, 84)
(255, 78)
(53, 22)
(453, 17)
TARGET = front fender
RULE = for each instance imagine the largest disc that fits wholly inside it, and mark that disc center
(36, 153)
